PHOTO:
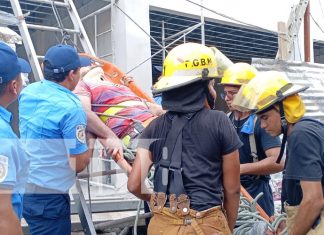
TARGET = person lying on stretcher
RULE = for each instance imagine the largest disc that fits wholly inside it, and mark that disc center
(114, 112)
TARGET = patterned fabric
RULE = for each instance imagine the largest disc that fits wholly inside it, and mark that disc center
(113, 94)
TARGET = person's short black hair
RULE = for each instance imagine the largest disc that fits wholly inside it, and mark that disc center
(273, 106)
(55, 77)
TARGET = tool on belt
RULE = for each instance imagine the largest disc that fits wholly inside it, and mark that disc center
(179, 205)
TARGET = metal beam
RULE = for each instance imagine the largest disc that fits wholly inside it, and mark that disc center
(50, 28)
(185, 31)
(122, 222)
(109, 205)
(77, 23)
(97, 12)
(202, 21)
(84, 214)
(61, 4)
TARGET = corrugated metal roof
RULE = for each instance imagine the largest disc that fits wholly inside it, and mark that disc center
(301, 73)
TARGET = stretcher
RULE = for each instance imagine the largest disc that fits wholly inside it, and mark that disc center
(115, 75)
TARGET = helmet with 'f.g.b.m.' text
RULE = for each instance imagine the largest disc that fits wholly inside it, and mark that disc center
(186, 64)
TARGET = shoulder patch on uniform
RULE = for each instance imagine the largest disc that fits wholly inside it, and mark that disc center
(3, 167)
(80, 133)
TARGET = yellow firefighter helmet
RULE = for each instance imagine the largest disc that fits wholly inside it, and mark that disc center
(185, 64)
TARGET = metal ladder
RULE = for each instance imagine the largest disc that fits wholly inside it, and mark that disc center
(23, 28)
(293, 25)
(83, 210)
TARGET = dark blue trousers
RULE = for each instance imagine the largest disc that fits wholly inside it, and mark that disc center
(47, 214)
(266, 201)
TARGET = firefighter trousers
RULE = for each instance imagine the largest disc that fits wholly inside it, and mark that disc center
(292, 211)
(208, 222)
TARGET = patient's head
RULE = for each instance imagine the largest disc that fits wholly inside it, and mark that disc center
(93, 74)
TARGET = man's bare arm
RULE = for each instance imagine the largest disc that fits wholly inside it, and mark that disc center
(79, 162)
(231, 183)
(266, 166)
(136, 179)
(106, 136)
(9, 223)
(309, 208)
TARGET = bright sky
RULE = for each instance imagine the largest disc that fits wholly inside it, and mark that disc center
(262, 13)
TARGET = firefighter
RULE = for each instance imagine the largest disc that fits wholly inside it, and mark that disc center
(52, 127)
(13, 161)
(276, 101)
(194, 151)
(259, 152)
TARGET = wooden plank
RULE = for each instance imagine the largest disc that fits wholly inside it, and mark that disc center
(282, 42)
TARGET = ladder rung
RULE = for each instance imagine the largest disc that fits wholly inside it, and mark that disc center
(105, 32)
(102, 56)
(49, 28)
(61, 4)
(40, 57)
(97, 12)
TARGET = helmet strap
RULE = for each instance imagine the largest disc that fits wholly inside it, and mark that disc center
(284, 130)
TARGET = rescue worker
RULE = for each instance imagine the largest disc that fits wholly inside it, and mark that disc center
(260, 150)
(52, 126)
(13, 162)
(275, 99)
(194, 151)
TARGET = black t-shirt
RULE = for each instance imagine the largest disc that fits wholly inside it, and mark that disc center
(263, 142)
(305, 158)
(206, 138)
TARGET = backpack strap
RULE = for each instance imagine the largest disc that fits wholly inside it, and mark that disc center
(168, 172)
(254, 152)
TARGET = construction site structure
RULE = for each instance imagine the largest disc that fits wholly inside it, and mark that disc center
(124, 53)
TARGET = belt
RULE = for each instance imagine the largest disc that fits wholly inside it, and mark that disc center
(193, 219)
(177, 205)
(35, 189)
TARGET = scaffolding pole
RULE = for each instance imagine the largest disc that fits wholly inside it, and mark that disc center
(202, 20)
(30, 50)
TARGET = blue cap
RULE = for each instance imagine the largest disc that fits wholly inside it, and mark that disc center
(10, 64)
(63, 58)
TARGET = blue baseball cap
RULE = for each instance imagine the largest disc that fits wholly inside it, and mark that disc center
(63, 58)
(10, 64)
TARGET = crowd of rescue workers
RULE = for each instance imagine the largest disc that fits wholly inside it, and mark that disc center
(202, 157)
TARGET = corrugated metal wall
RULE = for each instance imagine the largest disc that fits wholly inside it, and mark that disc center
(301, 73)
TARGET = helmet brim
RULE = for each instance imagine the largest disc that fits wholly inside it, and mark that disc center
(291, 91)
(170, 83)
